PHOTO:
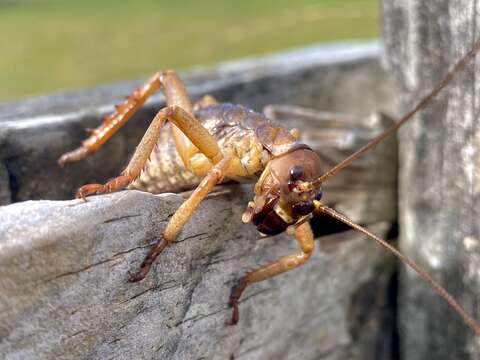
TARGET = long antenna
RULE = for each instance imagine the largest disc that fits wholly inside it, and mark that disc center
(422, 273)
(420, 106)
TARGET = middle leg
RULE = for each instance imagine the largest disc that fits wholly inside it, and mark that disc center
(304, 237)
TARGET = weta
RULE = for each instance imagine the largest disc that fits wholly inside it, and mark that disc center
(207, 143)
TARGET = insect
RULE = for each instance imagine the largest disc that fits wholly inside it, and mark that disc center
(215, 142)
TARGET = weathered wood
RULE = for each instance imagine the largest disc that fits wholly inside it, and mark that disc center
(64, 290)
(64, 265)
(439, 179)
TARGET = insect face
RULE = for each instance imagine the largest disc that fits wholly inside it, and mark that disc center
(278, 201)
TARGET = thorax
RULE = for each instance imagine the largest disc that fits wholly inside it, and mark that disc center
(245, 134)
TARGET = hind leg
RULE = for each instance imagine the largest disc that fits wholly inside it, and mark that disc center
(175, 94)
(185, 123)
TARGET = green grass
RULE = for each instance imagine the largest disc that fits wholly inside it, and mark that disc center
(52, 45)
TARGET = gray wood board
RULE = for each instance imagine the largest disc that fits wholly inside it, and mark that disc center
(64, 290)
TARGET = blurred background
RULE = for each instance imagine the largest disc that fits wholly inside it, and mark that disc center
(54, 45)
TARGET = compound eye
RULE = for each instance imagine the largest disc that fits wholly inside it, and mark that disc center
(296, 172)
(304, 208)
(318, 194)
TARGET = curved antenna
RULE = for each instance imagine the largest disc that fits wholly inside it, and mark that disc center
(422, 273)
(420, 106)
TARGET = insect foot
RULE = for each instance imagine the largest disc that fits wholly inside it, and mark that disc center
(149, 259)
(144, 269)
(87, 190)
(235, 294)
(73, 156)
(115, 184)
(139, 275)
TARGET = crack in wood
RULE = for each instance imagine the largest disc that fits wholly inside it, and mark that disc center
(121, 218)
(88, 267)
(190, 237)
(76, 333)
(160, 288)
(199, 317)
(249, 350)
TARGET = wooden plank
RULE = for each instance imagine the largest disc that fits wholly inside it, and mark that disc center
(64, 290)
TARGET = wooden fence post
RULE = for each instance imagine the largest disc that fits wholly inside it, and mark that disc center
(439, 172)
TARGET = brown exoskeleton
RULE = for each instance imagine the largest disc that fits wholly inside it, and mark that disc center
(216, 142)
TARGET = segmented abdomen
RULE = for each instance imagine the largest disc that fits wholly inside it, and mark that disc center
(164, 171)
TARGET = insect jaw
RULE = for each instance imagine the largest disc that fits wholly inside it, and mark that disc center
(275, 212)
(248, 213)
(300, 186)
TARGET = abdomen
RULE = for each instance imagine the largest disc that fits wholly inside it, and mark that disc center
(165, 171)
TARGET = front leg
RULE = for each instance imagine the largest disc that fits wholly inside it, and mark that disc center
(304, 237)
(181, 216)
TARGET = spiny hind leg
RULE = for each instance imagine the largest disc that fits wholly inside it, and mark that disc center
(112, 123)
(184, 122)
(181, 216)
(304, 237)
(175, 93)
